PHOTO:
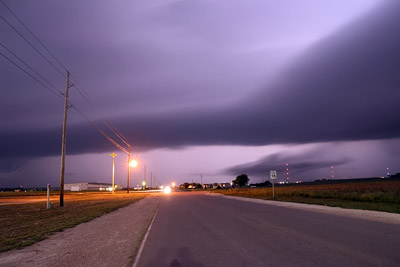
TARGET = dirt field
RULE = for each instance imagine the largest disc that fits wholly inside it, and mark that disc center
(94, 243)
(25, 220)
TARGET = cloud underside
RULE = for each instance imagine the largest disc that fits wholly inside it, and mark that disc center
(298, 165)
(345, 87)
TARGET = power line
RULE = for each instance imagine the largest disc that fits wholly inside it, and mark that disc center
(100, 130)
(31, 45)
(114, 129)
(79, 88)
(30, 75)
(37, 39)
(78, 85)
(80, 112)
(26, 64)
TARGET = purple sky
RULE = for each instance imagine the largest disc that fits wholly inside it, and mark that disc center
(211, 88)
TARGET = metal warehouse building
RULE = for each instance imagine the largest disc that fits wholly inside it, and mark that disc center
(87, 186)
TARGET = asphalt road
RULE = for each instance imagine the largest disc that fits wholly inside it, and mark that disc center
(196, 229)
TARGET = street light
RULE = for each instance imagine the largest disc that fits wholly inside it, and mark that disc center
(144, 184)
(132, 163)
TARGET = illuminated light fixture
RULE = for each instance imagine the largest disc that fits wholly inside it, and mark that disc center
(133, 163)
(167, 190)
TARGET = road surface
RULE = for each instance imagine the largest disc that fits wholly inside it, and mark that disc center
(197, 229)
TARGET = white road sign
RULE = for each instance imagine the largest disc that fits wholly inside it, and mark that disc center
(273, 175)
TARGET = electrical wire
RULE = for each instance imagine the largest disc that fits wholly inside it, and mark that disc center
(79, 88)
(113, 128)
(30, 75)
(26, 64)
(37, 38)
(31, 45)
(100, 130)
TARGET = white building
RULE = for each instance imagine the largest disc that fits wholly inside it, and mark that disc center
(87, 186)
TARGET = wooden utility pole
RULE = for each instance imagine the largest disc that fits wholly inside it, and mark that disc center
(113, 155)
(129, 167)
(64, 137)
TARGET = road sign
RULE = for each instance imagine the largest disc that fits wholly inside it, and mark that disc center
(273, 175)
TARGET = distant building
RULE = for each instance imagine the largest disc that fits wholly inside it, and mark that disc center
(225, 185)
(207, 186)
(87, 186)
(221, 185)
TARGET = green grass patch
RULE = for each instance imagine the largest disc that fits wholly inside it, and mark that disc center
(24, 224)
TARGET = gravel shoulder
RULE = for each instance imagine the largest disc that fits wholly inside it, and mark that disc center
(109, 240)
(377, 216)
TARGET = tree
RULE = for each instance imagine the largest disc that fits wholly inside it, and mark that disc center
(241, 180)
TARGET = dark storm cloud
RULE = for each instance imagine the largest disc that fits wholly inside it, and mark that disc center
(346, 87)
(343, 88)
(11, 165)
(298, 165)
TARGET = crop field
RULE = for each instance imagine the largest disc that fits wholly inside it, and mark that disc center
(25, 220)
(377, 195)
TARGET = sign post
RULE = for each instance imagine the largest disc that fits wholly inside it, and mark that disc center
(48, 197)
(273, 175)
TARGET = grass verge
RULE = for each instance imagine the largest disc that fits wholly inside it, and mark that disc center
(24, 224)
(379, 196)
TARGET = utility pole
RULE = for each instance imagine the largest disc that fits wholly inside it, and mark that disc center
(129, 167)
(113, 155)
(151, 179)
(64, 137)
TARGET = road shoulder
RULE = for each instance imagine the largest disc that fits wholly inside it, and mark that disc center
(377, 216)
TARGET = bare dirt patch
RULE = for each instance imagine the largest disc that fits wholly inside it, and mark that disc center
(109, 240)
(29, 221)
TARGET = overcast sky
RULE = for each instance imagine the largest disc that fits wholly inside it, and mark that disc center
(201, 88)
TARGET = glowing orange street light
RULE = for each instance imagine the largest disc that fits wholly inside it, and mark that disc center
(133, 163)
(173, 184)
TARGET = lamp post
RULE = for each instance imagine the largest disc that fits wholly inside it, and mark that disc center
(113, 155)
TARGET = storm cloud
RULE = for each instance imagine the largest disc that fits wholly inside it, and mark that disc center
(344, 87)
(299, 166)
